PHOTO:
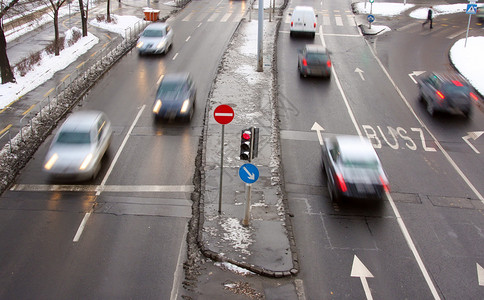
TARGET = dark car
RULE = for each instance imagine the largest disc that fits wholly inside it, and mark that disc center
(353, 168)
(175, 97)
(313, 60)
(446, 93)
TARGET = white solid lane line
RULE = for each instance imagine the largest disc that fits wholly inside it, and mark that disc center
(103, 182)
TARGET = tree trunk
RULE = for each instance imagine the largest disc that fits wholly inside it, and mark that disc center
(83, 18)
(108, 14)
(56, 32)
(5, 69)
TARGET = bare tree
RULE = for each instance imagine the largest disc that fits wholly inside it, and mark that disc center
(84, 14)
(108, 12)
(55, 6)
(5, 69)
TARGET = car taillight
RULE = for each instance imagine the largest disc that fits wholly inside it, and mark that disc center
(473, 96)
(457, 83)
(305, 62)
(440, 95)
(341, 183)
(314, 24)
(328, 63)
(292, 24)
(385, 184)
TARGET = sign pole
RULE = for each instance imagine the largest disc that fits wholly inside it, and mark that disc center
(248, 186)
(221, 171)
(467, 32)
(223, 114)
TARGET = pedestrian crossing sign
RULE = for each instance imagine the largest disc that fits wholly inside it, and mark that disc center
(471, 9)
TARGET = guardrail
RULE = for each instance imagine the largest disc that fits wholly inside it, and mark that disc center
(97, 64)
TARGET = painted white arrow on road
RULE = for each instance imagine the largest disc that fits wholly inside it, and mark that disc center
(480, 275)
(251, 175)
(359, 270)
(415, 73)
(318, 129)
(360, 71)
(472, 135)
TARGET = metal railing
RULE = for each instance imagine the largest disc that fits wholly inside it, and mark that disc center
(78, 82)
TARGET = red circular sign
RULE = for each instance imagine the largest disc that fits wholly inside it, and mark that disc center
(223, 114)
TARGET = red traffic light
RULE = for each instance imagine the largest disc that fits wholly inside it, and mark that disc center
(246, 135)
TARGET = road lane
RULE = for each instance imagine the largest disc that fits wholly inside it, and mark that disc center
(132, 243)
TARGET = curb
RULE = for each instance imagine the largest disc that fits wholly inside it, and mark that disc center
(275, 134)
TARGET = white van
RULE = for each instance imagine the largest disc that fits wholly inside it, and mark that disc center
(303, 20)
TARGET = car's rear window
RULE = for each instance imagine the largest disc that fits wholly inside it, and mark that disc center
(153, 33)
(316, 58)
(360, 163)
(74, 137)
(452, 88)
(171, 88)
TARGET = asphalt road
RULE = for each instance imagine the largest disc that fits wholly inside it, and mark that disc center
(122, 235)
(422, 242)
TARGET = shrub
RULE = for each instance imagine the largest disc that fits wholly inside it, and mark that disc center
(76, 35)
(27, 64)
(50, 49)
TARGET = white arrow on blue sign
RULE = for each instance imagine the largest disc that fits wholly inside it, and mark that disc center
(249, 173)
(371, 18)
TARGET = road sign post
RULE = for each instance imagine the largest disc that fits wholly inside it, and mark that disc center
(223, 114)
(471, 10)
(249, 174)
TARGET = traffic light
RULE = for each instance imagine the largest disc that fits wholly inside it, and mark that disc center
(249, 143)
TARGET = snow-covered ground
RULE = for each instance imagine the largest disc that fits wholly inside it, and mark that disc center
(470, 68)
(50, 64)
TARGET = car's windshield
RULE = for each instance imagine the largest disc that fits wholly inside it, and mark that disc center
(170, 89)
(316, 57)
(153, 33)
(74, 137)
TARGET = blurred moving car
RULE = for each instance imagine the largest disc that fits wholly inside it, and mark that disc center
(78, 147)
(446, 93)
(175, 97)
(303, 21)
(353, 168)
(313, 60)
(480, 14)
(157, 38)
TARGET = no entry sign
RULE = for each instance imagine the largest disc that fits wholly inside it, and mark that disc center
(223, 114)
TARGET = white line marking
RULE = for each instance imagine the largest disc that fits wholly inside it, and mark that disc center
(160, 79)
(226, 17)
(400, 222)
(213, 17)
(177, 276)
(174, 57)
(301, 295)
(422, 124)
(450, 37)
(105, 188)
(339, 20)
(188, 38)
(188, 17)
(116, 157)
(81, 227)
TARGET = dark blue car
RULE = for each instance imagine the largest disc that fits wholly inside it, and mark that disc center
(175, 97)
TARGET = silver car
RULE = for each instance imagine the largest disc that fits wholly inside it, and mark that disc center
(353, 168)
(78, 147)
(157, 38)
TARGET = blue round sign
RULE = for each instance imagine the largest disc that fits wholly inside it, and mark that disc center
(249, 173)
(370, 18)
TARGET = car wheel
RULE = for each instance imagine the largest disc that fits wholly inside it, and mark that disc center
(332, 193)
(420, 97)
(430, 109)
(313, 35)
(467, 113)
